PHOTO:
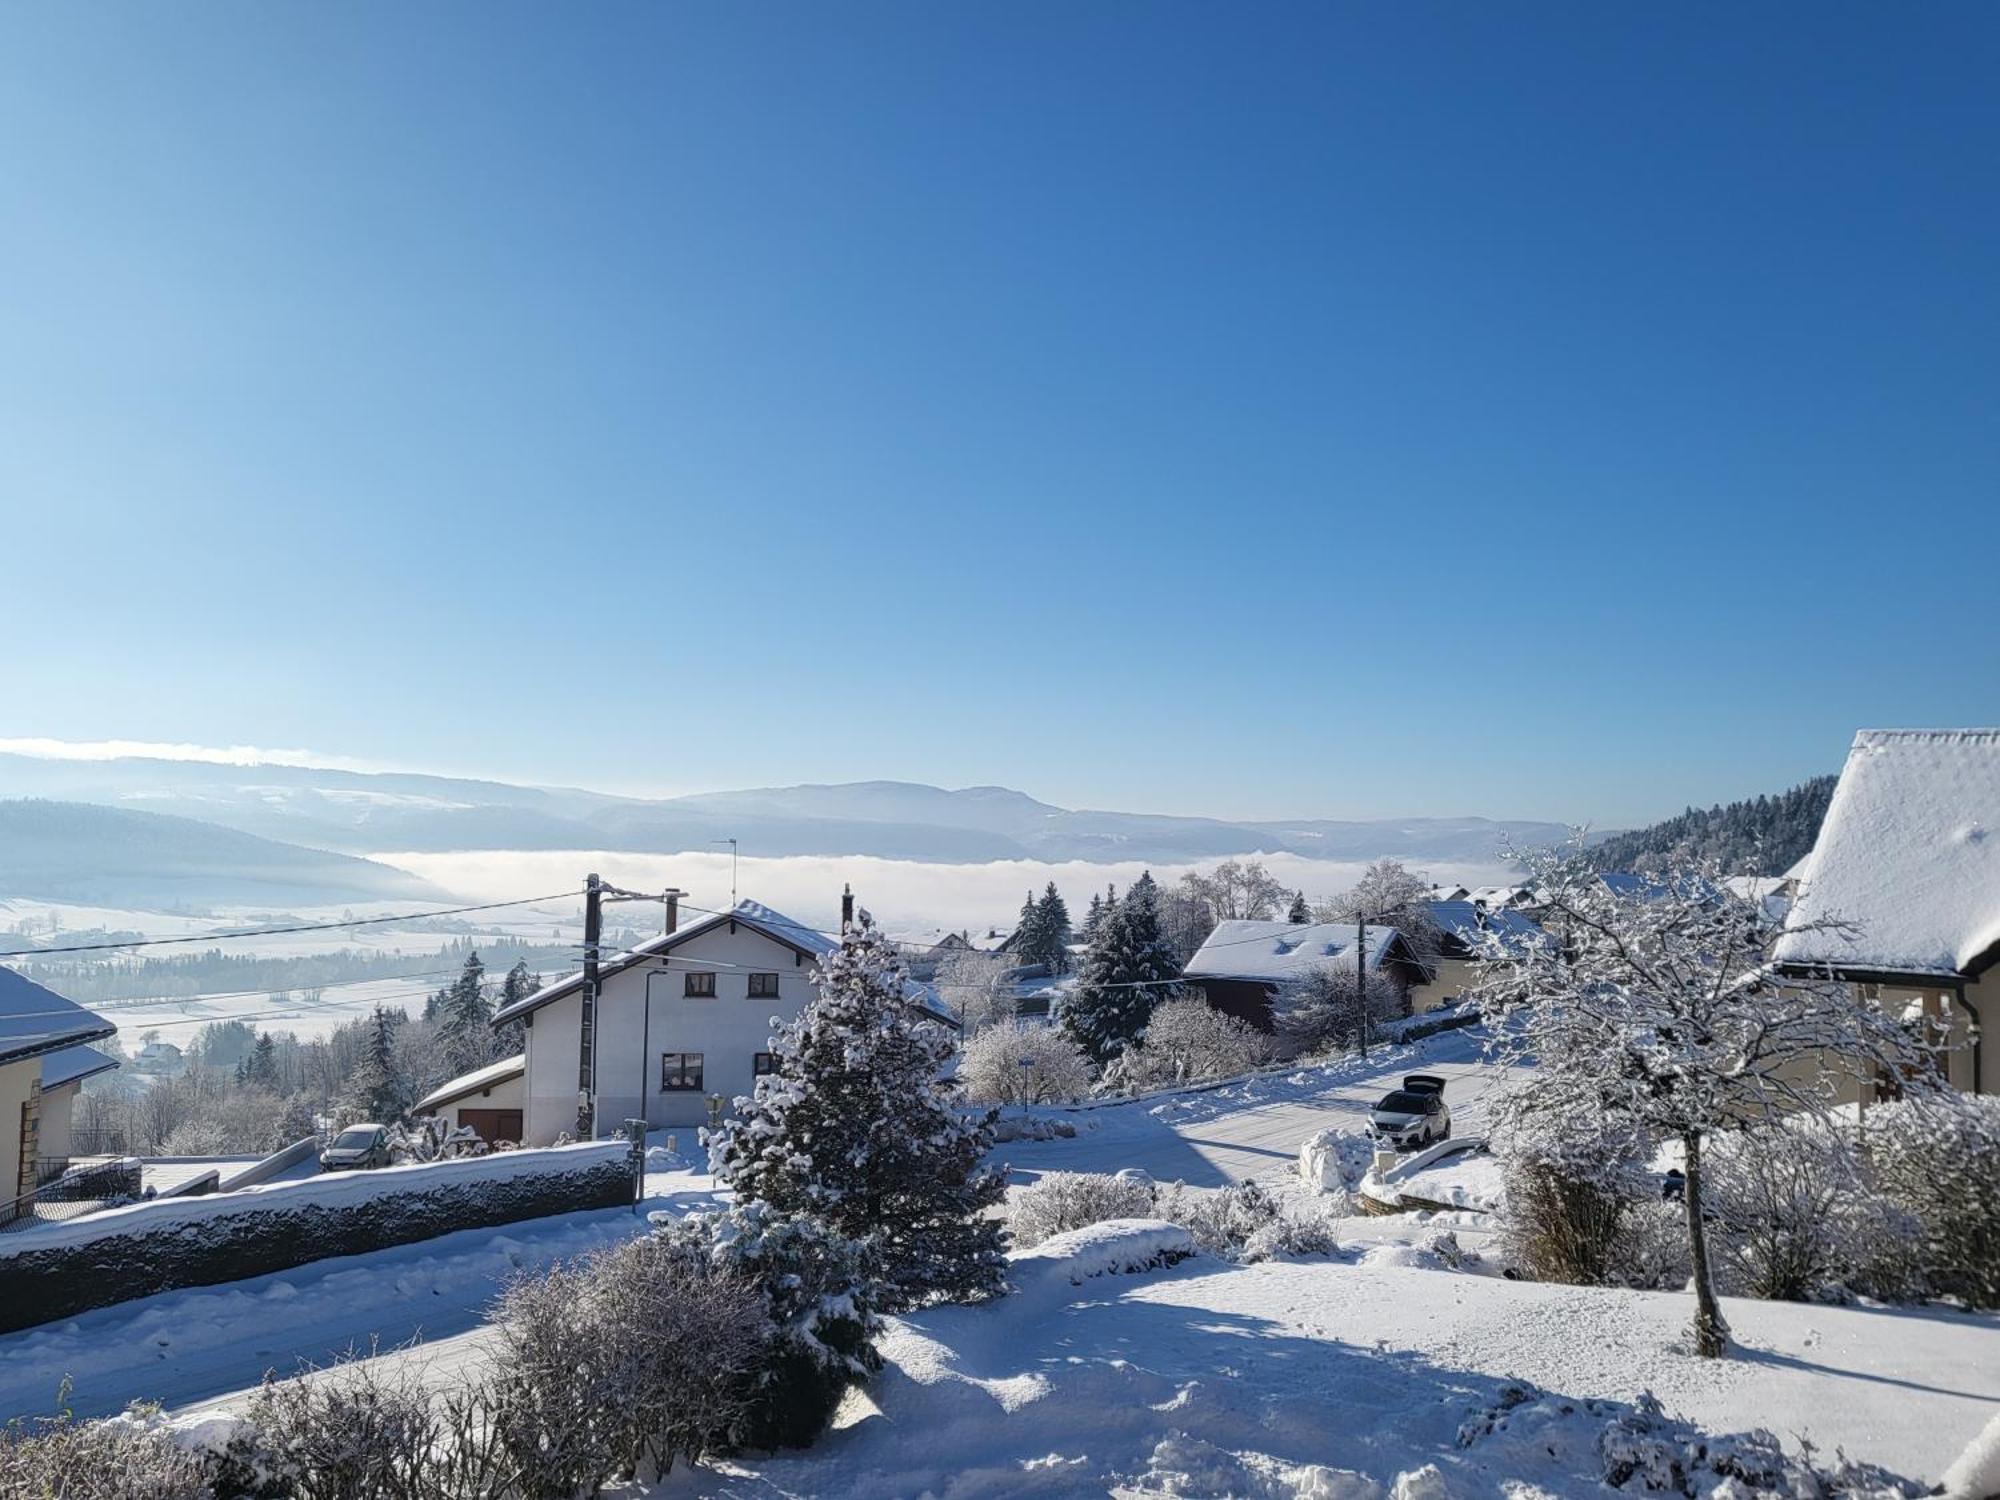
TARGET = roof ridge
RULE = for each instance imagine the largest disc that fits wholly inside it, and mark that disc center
(1867, 737)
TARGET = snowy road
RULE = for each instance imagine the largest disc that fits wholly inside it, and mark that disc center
(1253, 1129)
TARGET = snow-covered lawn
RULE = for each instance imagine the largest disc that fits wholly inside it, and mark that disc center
(188, 1346)
(1331, 1378)
(1207, 1138)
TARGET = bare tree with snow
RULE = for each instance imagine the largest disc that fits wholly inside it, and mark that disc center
(1661, 1016)
(1388, 895)
(1020, 1062)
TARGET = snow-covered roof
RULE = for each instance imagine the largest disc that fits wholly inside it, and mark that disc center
(1274, 952)
(474, 1082)
(72, 1065)
(1472, 925)
(35, 1019)
(772, 923)
(1910, 854)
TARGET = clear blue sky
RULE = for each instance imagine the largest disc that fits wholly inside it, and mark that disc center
(1528, 410)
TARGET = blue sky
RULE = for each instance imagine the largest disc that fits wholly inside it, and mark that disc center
(1561, 411)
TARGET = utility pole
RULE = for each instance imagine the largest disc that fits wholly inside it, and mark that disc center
(586, 1066)
(732, 868)
(1361, 976)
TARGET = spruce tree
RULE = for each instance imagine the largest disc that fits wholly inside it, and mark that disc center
(261, 1066)
(465, 1019)
(518, 985)
(1093, 918)
(1129, 969)
(373, 1092)
(1048, 942)
(857, 1129)
(1300, 912)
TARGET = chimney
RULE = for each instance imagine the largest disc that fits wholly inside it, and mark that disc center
(673, 912)
(846, 908)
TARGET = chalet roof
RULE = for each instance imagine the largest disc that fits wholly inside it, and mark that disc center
(478, 1080)
(73, 1065)
(1276, 952)
(1910, 854)
(35, 1019)
(1471, 927)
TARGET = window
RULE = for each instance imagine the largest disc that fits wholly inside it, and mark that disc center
(763, 986)
(680, 1071)
(763, 1063)
(700, 984)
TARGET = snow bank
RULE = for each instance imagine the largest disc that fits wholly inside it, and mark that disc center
(1975, 1475)
(1334, 1162)
(59, 1270)
(1112, 1248)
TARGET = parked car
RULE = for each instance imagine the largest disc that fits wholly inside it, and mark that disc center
(357, 1148)
(1412, 1116)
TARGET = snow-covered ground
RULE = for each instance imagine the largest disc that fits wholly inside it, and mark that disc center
(1217, 1379)
(1253, 1129)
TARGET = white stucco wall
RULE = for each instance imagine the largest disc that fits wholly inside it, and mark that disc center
(58, 1111)
(644, 1013)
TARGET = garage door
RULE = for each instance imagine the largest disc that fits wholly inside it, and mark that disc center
(493, 1124)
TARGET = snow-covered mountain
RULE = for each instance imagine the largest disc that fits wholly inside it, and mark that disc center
(360, 813)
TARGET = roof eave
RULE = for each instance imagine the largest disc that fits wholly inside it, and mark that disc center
(56, 1044)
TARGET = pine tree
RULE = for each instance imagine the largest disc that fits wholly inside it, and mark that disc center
(1129, 969)
(518, 985)
(856, 1128)
(1093, 918)
(1300, 912)
(465, 1019)
(1046, 931)
(261, 1066)
(373, 1092)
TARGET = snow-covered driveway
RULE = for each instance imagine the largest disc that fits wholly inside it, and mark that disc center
(1253, 1129)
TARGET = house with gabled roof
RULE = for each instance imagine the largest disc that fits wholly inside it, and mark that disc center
(1468, 933)
(682, 1019)
(1908, 859)
(39, 1030)
(1243, 965)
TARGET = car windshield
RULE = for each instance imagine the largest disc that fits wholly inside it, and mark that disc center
(1403, 1102)
(354, 1140)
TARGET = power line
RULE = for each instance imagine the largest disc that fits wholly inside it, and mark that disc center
(223, 937)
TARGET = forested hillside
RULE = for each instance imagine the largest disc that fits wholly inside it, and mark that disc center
(1774, 832)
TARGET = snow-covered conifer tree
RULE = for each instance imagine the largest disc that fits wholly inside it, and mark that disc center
(1128, 970)
(1658, 1014)
(856, 1128)
(1300, 911)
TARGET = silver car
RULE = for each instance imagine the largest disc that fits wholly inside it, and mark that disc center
(1412, 1116)
(356, 1148)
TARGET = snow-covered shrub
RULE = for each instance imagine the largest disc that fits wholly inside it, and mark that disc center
(1793, 1216)
(557, 1397)
(1651, 1251)
(128, 1458)
(1187, 1041)
(1323, 1010)
(429, 1138)
(1294, 1235)
(1570, 1184)
(1057, 1202)
(1443, 1244)
(816, 1337)
(856, 1128)
(1222, 1220)
(1015, 1062)
(363, 1429)
(1939, 1162)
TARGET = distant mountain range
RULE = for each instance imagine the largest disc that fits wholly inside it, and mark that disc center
(107, 856)
(362, 813)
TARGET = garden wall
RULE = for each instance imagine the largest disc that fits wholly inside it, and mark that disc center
(59, 1270)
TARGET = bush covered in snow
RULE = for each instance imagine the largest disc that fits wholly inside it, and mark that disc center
(1571, 1185)
(1187, 1041)
(1795, 1217)
(1222, 1220)
(129, 1458)
(1939, 1162)
(1016, 1062)
(1057, 1202)
(816, 1337)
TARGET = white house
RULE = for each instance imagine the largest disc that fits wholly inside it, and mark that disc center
(490, 1099)
(680, 1018)
(1243, 965)
(1909, 857)
(36, 1024)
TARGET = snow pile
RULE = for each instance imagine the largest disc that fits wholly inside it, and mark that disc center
(1032, 1128)
(1112, 1248)
(1334, 1162)
(1465, 1178)
(1975, 1475)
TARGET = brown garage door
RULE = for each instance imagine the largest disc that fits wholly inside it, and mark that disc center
(493, 1124)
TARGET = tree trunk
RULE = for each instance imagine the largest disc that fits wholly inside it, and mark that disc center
(1711, 1333)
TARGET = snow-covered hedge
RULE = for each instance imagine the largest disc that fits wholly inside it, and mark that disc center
(1939, 1162)
(59, 1270)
